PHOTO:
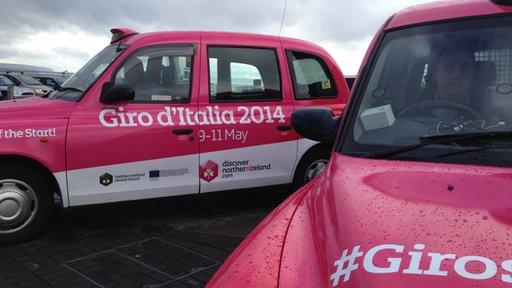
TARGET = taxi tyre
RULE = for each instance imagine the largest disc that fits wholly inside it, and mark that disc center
(312, 157)
(25, 202)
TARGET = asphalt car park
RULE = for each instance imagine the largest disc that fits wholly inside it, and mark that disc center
(170, 242)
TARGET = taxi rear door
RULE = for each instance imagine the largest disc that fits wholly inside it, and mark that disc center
(248, 141)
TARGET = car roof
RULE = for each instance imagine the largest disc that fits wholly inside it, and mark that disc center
(212, 36)
(444, 10)
(10, 74)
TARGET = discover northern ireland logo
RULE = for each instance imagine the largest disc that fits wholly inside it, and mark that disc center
(208, 171)
(242, 166)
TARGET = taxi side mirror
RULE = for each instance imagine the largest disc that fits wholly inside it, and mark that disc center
(116, 93)
(317, 124)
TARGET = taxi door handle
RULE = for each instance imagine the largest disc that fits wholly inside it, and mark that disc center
(182, 131)
(284, 128)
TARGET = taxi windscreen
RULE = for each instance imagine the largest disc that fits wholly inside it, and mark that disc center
(76, 85)
(437, 80)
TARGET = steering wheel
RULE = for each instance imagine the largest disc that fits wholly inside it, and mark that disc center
(429, 105)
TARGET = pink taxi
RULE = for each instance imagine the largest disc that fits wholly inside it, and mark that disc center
(418, 190)
(164, 114)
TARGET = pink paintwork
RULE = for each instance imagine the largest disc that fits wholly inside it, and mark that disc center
(403, 203)
(35, 113)
(443, 10)
(408, 224)
(380, 202)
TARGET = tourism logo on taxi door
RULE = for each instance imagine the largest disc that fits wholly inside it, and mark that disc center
(208, 171)
(106, 179)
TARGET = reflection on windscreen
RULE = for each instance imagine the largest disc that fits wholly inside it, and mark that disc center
(28, 79)
(87, 75)
(438, 80)
(4, 81)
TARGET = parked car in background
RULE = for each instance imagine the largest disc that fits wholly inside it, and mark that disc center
(51, 79)
(165, 114)
(23, 80)
(45, 75)
(53, 82)
(418, 190)
(18, 92)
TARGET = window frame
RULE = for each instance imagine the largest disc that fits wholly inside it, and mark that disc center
(278, 63)
(11, 83)
(46, 81)
(13, 79)
(324, 66)
(135, 51)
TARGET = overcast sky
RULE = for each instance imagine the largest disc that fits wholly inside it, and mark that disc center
(64, 34)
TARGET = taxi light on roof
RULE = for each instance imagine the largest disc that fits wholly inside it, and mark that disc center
(502, 2)
(121, 33)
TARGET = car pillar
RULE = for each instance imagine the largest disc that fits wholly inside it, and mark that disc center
(10, 92)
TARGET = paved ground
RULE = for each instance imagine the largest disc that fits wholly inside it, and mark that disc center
(173, 242)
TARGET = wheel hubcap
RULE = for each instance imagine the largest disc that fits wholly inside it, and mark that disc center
(18, 205)
(314, 169)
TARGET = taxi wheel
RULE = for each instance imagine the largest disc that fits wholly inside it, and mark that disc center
(310, 166)
(25, 203)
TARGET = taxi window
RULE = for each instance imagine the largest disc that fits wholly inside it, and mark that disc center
(246, 78)
(158, 74)
(243, 74)
(438, 80)
(311, 77)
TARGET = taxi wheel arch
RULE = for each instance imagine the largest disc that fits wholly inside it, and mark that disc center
(27, 188)
(316, 155)
(41, 168)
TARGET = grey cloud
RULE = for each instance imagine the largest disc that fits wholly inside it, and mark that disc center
(74, 53)
(96, 16)
(11, 51)
(338, 21)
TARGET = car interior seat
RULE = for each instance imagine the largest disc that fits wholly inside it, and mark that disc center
(135, 76)
(485, 76)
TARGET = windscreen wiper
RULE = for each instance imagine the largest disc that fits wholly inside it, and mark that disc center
(440, 139)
